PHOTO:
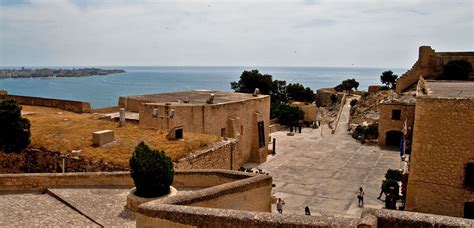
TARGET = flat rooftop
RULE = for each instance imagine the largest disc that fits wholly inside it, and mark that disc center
(450, 89)
(196, 97)
(71, 133)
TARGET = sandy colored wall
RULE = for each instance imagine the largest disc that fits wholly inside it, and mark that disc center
(386, 123)
(73, 106)
(442, 146)
(221, 155)
(323, 96)
(429, 65)
(310, 111)
(237, 118)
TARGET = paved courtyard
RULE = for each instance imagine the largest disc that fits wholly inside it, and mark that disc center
(325, 172)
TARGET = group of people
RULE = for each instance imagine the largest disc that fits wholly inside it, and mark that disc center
(360, 197)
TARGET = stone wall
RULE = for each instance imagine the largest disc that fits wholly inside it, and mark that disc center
(442, 145)
(68, 105)
(429, 65)
(374, 88)
(310, 111)
(386, 123)
(221, 155)
(44, 161)
(323, 96)
(232, 119)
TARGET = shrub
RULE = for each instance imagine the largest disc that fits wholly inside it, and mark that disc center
(359, 132)
(333, 98)
(152, 171)
(288, 115)
(372, 131)
(394, 174)
(14, 130)
(389, 79)
(354, 102)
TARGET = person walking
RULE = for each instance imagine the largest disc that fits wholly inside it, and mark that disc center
(381, 191)
(360, 197)
(306, 211)
(280, 205)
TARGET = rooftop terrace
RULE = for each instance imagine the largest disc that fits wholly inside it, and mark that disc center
(195, 97)
(63, 131)
(450, 89)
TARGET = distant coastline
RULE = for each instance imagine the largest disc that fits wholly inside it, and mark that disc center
(48, 72)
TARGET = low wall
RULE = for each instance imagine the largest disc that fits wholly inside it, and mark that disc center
(323, 96)
(44, 161)
(341, 107)
(395, 219)
(106, 109)
(39, 182)
(221, 155)
(68, 105)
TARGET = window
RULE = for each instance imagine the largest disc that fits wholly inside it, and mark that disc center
(241, 129)
(222, 132)
(178, 134)
(261, 134)
(469, 210)
(469, 177)
(396, 114)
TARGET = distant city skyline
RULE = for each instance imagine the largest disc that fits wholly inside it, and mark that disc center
(229, 33)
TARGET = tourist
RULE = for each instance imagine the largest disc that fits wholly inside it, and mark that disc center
(306, 211)
(360, 197)
(381, 191)
(280, 205)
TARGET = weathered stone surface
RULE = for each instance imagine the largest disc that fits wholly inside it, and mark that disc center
(100, 138)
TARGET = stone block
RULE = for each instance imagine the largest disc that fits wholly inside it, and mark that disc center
(100, 138)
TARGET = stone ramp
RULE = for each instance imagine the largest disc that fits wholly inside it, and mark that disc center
(103, 205)
(38, 210)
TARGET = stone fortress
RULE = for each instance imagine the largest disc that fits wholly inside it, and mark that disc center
(442, 158)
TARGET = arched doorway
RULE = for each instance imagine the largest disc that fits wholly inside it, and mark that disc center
(392, 138)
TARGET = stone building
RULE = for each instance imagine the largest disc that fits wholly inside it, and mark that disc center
(233, 115)
(441, 179)
(310, 110)
(392, 119)
(429, 65)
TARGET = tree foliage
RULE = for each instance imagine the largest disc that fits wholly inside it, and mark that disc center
(14, 129)
(250, 80)
(297, 92)
(347, 85)
(152, 171)
(456, 70)
(287, 114)
(389, 79)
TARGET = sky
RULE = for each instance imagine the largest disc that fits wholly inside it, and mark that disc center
(366, 33)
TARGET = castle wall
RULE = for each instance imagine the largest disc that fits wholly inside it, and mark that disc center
(310, 111)
(68, 105)
(323, 96)
(221, 155)
(386, 123)
(442, 146)
(233, 119)
(429, 65)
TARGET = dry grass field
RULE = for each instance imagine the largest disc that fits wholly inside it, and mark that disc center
(59, 130)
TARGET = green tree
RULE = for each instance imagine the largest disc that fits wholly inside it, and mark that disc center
(389, 79)
(250, 80)
(298, 92)
(279, 92)
(456, 70)
(14, 129)
(152, 171)
(287, 114)
(347, 85)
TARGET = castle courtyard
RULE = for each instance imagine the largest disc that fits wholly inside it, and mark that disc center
(325, 172)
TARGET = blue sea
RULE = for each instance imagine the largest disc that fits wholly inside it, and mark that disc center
(103, 91)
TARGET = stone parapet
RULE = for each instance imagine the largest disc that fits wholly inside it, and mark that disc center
(68, 105)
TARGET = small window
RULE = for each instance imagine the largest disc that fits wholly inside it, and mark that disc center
(261, 134)
(241, 129)
(396, 114)
(469, 177)
(178, 134)
(469, 210)
(222, 132)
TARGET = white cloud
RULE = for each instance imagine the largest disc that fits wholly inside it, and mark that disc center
(289, 33)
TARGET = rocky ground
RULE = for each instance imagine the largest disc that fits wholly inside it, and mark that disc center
(367, 109)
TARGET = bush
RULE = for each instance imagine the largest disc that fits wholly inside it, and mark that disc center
(287, 114)
(389, 79)
(298, 92)
(394, 174)
(333, 98)
(152, 171)
(354, 102)
(372, 131)
(14, 130)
